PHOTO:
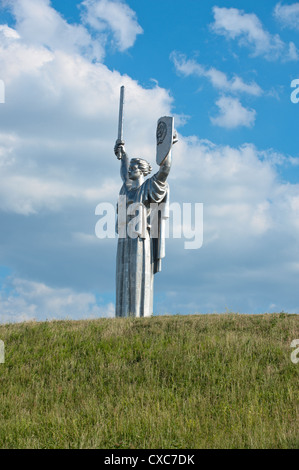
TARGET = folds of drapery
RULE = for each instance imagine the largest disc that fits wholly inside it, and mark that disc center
(139, 256)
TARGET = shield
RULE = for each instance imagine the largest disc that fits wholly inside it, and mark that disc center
(165, 133)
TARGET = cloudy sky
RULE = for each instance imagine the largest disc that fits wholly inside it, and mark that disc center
(224, 69)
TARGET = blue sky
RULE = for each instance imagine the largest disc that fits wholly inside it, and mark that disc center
(224, 70)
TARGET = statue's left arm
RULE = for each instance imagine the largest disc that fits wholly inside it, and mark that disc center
(164, 170)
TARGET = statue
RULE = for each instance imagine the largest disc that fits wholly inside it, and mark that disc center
(139, 254)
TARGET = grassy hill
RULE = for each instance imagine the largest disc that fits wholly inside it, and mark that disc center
(202, 381)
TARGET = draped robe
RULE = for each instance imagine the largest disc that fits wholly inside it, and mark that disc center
(139, 257)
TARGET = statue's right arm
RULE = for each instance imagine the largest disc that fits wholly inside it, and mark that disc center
(119, 150)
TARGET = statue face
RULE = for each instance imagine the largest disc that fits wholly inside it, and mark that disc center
(134, 171)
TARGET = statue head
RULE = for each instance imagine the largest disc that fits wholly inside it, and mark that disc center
(139, 167)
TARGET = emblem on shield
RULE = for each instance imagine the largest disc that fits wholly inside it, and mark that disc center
(161, 132)
(164, 137)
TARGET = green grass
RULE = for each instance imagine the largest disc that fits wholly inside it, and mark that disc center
(202, 381)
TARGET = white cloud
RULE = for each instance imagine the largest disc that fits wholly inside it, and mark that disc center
(293, 52)
(7, 32)
(39, 24)
(248, 29)
(250, 231)
(287, 15)
(232, 114)
(22, 300)
(218, 78)
(74, 97)
(114, 15)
